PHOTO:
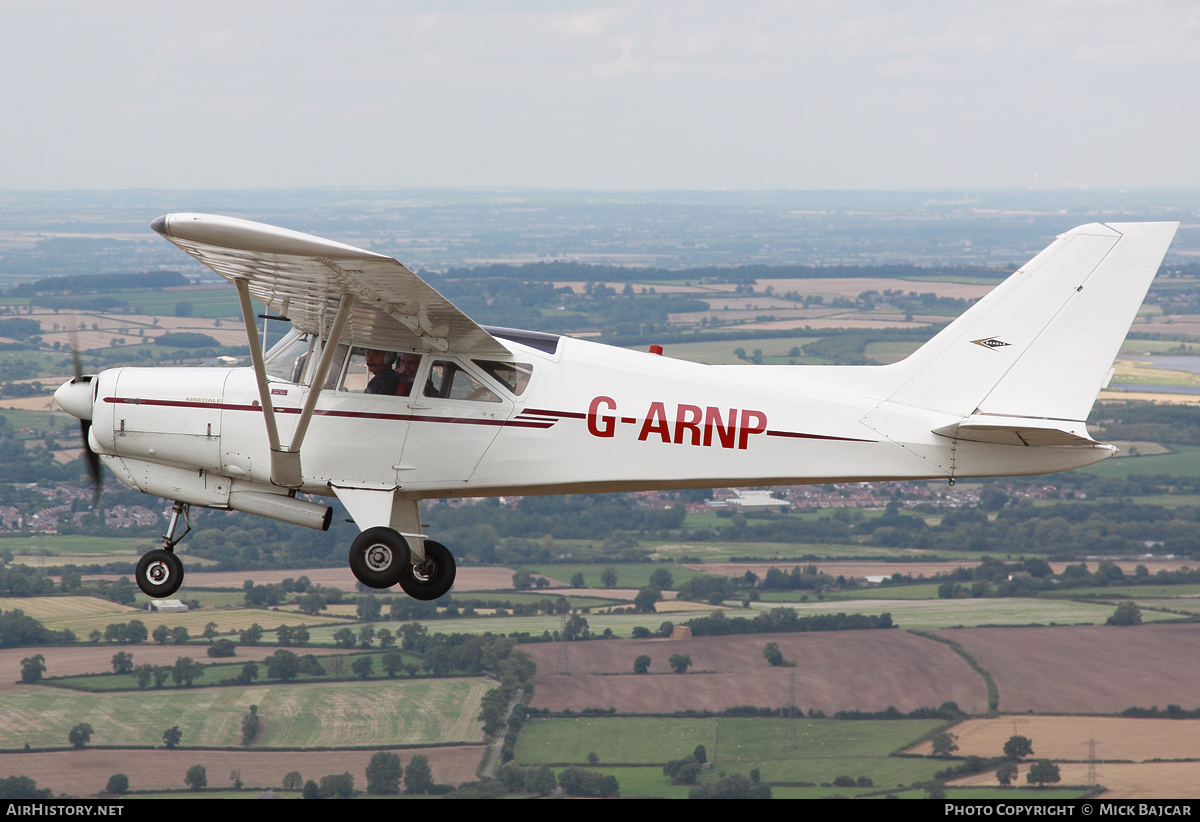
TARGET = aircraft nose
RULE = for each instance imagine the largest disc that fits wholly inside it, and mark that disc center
(75, 397)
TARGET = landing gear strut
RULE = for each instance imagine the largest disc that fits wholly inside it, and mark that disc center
(159, 572)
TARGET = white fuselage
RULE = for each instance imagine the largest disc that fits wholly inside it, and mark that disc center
(592, 418)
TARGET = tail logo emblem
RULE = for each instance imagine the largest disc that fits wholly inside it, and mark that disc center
(991, 342)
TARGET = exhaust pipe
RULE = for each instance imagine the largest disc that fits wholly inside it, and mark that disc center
(282, 508)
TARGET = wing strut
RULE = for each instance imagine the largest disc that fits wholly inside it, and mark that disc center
(285, 463)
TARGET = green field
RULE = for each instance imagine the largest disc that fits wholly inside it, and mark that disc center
(1184, 463)
(54, 544)
(923, 591)
(792, 553)
(85, 614)
(826, 748)
(629, 575)
(299, 715)
(968, 613)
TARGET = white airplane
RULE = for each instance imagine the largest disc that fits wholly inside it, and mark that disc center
(472, 411)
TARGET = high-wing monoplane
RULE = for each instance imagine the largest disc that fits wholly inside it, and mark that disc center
(383, 394)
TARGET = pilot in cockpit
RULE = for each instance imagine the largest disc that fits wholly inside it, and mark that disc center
(384, 380)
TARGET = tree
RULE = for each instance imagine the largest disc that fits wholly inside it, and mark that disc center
(222, 648)
(248, 674)
(80, 735)
(345, 638)
(283, 665)
(641, 665)
(172, 736)
(1042, 772)
(540, 780)
(311, 790)
(250, 725)
(944, 744)
(577, 581)
(383, 773)
(1006, 773)
(393, 662)
(22, 787)
(1127, 613)
(1018, 747)
(418, 778)
(122, 663)
(643, 603)
(609, 578)
(701, 754)
(680, 663)
(179, 635)
(142, 674)
(136, 632)
(772, 653)
(196, 778)
(186, 670)
(32, 668)
(340, 785)
(210, 631)
(117, 783)
(364, 666)
(293, 781)
(252, 635)
(661, 579)
(161, 634)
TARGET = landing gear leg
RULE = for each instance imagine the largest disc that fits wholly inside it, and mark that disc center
(159, 572)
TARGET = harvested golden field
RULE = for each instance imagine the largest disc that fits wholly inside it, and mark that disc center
(1088, 669)
(1142, 780)
(836, 671)
(85, 773)
(52, 610)
(1065, 737)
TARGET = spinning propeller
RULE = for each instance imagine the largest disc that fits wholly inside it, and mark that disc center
(75, 397)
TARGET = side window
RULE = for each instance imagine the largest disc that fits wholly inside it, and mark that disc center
(449, 381)
(373, 371)
(512, 375)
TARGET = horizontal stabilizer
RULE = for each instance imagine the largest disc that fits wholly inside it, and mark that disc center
(1017, 431)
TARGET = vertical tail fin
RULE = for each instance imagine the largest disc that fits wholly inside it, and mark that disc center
(1042, 343)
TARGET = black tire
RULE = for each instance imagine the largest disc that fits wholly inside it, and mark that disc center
(433, 577)
(379, 557)
(159, 573)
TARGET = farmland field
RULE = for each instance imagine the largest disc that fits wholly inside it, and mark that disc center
(826, 748)
(1089, 669)
(299, 715)
(83, 773)
(836, 670)
(85, 614)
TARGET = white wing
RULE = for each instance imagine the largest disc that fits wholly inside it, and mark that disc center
(393, 308)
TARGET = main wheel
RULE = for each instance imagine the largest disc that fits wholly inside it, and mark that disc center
(159, 573)
(378, 557)
(432, 578)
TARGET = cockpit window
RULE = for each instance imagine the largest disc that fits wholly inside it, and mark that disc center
(287, 362)
(512, 375)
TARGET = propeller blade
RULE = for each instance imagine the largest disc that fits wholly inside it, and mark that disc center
(93, 460)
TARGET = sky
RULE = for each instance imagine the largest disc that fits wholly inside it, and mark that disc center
(672, 94)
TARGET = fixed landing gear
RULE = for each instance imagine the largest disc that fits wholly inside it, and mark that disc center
(159, 572)
(431, 578)
(379, 557)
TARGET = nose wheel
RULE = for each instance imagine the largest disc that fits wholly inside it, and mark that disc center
(431, 578)
(378, 557)
(159, 573)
